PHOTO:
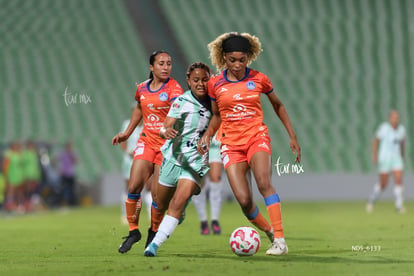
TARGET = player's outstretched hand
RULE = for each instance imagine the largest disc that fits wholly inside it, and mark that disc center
(119, 138)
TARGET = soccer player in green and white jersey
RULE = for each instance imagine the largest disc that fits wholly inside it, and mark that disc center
(183, 168)
(388, 153)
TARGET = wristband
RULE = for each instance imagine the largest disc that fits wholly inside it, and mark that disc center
(162, 132)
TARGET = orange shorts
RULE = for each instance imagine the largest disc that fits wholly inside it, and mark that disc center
(146, 152)
(241, 153)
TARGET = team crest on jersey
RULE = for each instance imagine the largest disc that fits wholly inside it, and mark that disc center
(163, 96)
(250, 85)
(153, 118)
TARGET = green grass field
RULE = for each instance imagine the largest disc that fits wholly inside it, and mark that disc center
(328, 238)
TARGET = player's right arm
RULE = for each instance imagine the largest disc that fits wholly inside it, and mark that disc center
(167, 131)
(136, 118)
(375, 143)
(204, 143)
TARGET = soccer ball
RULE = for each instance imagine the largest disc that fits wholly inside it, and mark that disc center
(245, 241)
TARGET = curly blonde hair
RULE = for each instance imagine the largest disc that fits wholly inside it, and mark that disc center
(217, 53)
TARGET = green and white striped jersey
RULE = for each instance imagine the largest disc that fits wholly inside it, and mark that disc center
(192, 121)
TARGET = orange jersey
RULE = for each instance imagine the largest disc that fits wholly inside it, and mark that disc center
(155, 106)
(239, 105)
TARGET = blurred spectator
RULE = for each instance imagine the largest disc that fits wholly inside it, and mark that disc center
(50, 187)
(32, 174)
(13, 171)
(2, 189)
(67, 160)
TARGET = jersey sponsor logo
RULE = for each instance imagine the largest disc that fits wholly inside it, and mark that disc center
(252, 96)
(176, 105)
(150, 106)
(237, 97)
(262, 128)
(250, 85)
(163, 107)
(239, 108)
(163, 96)
(153, 118)
(240, 112)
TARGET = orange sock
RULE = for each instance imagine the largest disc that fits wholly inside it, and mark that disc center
(258, 220)
(133, 209)
(156, 217)
(275, 214)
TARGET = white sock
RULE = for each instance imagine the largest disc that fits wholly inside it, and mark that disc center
(200, 202)
(215, 199)
(147, 198)
(167, 227)
(398, 192)
(375, 193)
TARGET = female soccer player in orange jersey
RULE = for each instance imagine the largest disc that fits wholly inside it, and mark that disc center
(154, 98)
(238, 116)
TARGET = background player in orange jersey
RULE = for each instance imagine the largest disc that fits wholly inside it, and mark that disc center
(154, 98)
(238, 116)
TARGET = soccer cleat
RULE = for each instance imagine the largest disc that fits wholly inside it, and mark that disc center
(133, 237)
(279, 247)
(216, 227)
(151, 250)
(204, 228)
(270, 235)
(369, 208)
(150, 237)
(401, 210)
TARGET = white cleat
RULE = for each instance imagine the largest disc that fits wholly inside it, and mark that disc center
(369, 208)
(401, 210)
(279, 247)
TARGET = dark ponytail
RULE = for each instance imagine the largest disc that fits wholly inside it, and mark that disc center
(152, 60)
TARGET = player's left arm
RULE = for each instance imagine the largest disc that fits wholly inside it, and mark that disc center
(281, 112)
(167, 131)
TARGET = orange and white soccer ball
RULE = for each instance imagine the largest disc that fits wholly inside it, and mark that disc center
(245, 241)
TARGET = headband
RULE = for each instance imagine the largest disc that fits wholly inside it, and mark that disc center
(236, 44)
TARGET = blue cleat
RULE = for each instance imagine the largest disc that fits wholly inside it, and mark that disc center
(151, 250)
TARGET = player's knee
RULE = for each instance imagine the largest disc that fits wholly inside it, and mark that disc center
(246, 204)
(265, 187)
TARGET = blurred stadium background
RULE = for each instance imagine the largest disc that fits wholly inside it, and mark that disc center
(339, 66)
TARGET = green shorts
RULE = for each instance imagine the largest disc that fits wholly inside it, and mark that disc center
(170, 173)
